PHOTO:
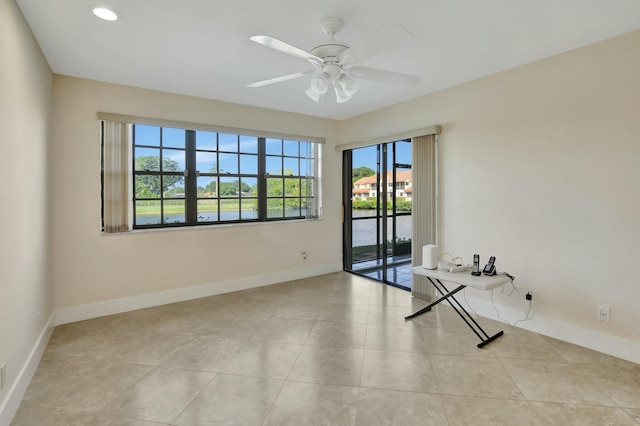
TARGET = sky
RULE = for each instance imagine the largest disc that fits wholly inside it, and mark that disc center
(244, 149)
(368, 156)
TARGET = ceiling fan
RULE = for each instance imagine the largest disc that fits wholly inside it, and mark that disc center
(335, 61)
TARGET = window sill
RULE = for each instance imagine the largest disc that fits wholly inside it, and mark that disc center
(209, 227)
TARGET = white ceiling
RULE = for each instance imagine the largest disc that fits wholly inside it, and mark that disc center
(202, 47)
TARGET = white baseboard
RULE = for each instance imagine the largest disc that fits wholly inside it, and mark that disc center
(10, 405)
(572, 333)
(126, 304)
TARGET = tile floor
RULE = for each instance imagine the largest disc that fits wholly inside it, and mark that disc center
(329, 350)
(400, 275)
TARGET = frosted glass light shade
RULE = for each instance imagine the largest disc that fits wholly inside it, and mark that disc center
(349, 85)
(319, 85)
(341, 96)
(313, 94)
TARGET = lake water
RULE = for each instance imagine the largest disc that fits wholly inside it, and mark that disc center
(364, 230)
(225, 216)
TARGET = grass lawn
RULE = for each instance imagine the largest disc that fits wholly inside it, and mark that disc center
(178, 206)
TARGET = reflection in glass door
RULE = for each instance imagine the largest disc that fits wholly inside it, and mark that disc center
(377, 212)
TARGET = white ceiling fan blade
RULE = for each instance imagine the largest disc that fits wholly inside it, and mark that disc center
(280, 79)
(386, 40)
(384, 77)
(287, 48)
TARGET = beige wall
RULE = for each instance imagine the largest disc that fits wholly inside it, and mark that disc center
(540, 167)
(90, 268)
(25, 110)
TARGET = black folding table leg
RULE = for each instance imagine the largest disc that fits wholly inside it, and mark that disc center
(477, 326)
(485, 339)
(428, 308)
(490, 339)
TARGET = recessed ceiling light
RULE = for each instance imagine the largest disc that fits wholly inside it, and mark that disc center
(105, 13)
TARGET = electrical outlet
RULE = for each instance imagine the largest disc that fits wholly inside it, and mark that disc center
(3, 374)
(528, 297)
(603, 313)
(304, 256)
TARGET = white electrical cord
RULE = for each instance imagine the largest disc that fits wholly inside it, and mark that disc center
(454, 261)
(464, 294)
(514, 289)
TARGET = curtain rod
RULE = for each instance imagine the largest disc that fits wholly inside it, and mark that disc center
(425, 131)
(120, 118)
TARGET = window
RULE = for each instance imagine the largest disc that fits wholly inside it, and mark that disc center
(184, 177)
(159, 170)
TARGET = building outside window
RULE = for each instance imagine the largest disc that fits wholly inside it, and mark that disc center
(366, 187)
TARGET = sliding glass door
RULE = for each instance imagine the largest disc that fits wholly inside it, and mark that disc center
(377, 196)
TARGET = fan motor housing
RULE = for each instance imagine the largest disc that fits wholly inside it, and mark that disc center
(330, 51)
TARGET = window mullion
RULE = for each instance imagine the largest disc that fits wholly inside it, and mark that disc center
(191, 180)
(262, 179)
(160, 166)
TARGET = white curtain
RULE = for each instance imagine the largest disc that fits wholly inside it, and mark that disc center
(116, 175)
(424, 209)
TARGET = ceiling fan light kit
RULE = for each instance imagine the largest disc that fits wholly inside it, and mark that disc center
(349, 85)
(320, 84)
(336, 61)
(341, 96)
(313, 94)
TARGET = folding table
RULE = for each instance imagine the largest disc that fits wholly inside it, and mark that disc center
(462, 279)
